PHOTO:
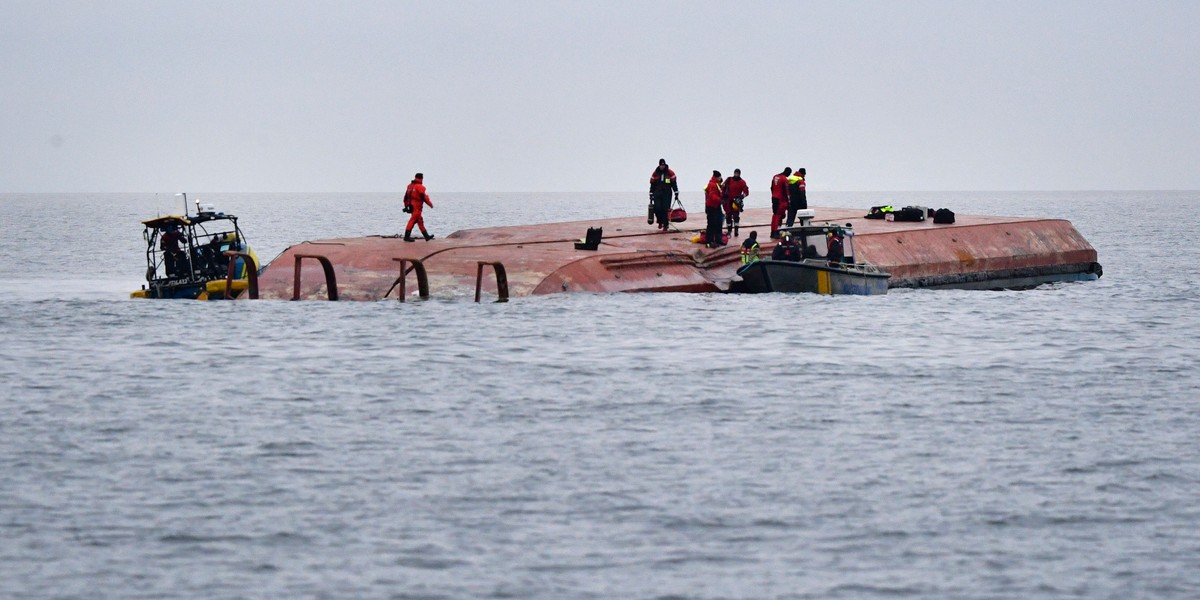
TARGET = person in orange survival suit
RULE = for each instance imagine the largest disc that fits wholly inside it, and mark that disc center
(779, 200)
(736, 191)
(415, 200)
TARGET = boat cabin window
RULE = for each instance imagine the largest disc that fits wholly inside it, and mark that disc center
(816, 242)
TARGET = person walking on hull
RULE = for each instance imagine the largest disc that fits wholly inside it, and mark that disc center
(797, 197)
(736, 191)
(662, 183)
(779, 200)
(415, 200)
(712, 210)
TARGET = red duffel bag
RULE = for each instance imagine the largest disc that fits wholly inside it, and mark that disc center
(677, 214)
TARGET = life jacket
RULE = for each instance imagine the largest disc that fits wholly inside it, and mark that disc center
(835, 250)
(415, 197)
(736, 191)
(170, 241)
(712, 193)
(779, 187)
(749, 251)
(660, 181)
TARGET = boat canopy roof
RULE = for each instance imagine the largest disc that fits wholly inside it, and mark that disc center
(161, 222)
(178, 221)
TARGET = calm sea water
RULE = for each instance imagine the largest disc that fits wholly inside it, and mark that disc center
(924, 444)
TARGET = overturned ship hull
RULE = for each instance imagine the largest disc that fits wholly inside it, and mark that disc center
(974, 252)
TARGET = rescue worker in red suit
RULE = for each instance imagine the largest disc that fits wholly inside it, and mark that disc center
(170, 243)
(736, 191)
(662, 183)
(712, 210)
(415, 200)
(779, 200)
(836, 252)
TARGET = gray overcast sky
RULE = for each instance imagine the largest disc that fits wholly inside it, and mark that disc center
(297, 95)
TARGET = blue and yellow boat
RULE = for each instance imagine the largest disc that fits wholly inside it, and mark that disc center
(197, 257)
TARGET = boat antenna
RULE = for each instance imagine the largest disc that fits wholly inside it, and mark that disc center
(184, 194)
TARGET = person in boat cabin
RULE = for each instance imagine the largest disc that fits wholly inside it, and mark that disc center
(215, 262)
(170, 243)
(787, 249)
(415, 199)
(736, 191)
(836, 250)
(662, 183)
(712, 211)
(750, 248)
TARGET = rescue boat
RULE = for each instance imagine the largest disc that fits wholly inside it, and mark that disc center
(201, 257)
(827, 266)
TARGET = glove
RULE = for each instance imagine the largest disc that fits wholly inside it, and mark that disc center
(651, 195)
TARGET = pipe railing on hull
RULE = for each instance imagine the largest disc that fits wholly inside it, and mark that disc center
(251, 273)
(330, 277)
(422, 278)
(501, 280)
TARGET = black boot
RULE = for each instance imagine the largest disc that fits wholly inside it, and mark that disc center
(408, 236)
(735, 231)
(428, 236)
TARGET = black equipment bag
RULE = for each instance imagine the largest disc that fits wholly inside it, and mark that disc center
(943, 216)
(909, 213)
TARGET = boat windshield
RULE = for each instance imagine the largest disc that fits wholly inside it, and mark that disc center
(829, 242)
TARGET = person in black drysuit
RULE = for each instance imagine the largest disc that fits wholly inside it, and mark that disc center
(797, 194)
(662, 183)
(787, 249)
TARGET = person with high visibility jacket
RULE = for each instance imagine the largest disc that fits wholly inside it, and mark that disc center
(750, 248)
(779, 200)
(713, 193)
(662, 183)
(797, 196)
(736, 191)
(415, 200)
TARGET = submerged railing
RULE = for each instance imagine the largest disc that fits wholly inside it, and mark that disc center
(330, 277)
(501, 280)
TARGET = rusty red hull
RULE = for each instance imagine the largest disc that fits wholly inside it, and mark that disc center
(634, 257)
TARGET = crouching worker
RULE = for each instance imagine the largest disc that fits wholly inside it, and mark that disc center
(750, 248)
(415, 200)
